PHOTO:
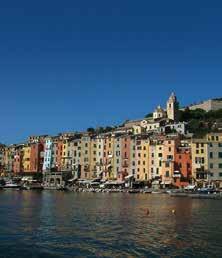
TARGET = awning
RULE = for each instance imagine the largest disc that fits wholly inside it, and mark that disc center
(72, 179)
(129, 176)
(113, 183)
(27, 178)
(166, 183)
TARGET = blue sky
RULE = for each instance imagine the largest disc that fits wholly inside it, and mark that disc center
(69, 65)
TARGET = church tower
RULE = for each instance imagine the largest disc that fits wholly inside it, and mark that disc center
(172, 107)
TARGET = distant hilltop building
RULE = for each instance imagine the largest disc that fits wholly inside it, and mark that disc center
(171, 112)
(208, 105)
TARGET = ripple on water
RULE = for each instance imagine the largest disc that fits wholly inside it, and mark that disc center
(57, 224)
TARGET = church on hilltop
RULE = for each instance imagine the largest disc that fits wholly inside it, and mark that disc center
(171, 111)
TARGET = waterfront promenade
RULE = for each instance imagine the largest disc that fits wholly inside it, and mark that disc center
(67, 224)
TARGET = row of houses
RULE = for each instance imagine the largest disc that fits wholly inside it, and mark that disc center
(169, 159)
(158, 149)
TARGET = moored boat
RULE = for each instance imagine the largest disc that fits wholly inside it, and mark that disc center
(11, 185)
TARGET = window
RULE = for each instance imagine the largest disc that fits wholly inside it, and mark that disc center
(220, 155)
(169, 157)
(211, 165)
(220, 174)
(167, 164)
(197, 151)
(211, 155)
(160, 155)
(220, 165)
(167, 174)
(202, 150)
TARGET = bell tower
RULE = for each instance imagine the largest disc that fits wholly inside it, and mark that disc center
(172, 107)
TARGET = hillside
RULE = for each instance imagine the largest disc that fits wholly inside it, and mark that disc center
(201, 122)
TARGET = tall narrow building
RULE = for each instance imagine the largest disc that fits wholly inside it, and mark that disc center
(172, 107)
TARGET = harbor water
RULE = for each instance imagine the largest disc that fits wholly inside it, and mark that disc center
(67, 224)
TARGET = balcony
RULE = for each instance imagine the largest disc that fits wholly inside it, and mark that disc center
(176, 174)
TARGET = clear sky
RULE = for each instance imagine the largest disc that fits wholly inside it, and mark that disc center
(69, 65)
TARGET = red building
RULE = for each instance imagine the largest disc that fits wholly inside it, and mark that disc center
(125, 156)
(58, 154)
(182, 166)
(36, 157)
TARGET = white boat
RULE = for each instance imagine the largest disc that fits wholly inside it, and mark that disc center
(10, 184)
(190, 187)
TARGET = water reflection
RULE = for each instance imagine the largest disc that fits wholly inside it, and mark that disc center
(59, 224)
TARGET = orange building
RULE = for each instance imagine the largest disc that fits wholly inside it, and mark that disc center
(183, 166)
(168, 158)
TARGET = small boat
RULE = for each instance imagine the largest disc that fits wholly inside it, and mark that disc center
(156, 192)
(147, 191)
(11, 185)
(32, 186)
(133, 191)
(54, 187)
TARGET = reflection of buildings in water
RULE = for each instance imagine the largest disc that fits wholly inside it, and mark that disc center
(30, 209)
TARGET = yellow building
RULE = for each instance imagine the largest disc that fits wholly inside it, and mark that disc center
(142, 160)
(26, 164)
(199, 149)
(66, 159)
